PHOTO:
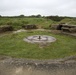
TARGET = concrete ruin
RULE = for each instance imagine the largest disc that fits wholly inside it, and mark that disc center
(15, 66)
(64, 28)
(29, 26)
(5, 28)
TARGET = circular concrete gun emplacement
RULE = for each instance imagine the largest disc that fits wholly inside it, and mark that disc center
(40, 39)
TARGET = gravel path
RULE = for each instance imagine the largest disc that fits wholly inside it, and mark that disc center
(22, 30)
(53, 31)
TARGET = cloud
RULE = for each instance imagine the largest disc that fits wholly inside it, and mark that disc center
(43, 7)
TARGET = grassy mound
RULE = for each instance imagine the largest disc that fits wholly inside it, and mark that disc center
(17, 23)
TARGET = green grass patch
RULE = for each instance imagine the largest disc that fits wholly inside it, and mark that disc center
(18, 22)
(13, 45)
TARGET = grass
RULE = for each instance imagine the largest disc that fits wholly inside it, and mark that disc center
(18, 22)
(71, 21)
(14, 46)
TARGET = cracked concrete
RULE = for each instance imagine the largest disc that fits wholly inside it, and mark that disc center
(15, 66)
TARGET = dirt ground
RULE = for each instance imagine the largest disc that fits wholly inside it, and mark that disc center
(14, 66)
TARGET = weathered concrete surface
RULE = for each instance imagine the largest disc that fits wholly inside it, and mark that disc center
(40, 39)
(9, 66)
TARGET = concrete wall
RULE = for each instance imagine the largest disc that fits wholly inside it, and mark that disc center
(37, 67)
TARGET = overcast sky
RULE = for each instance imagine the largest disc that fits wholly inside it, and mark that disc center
(34, 7)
